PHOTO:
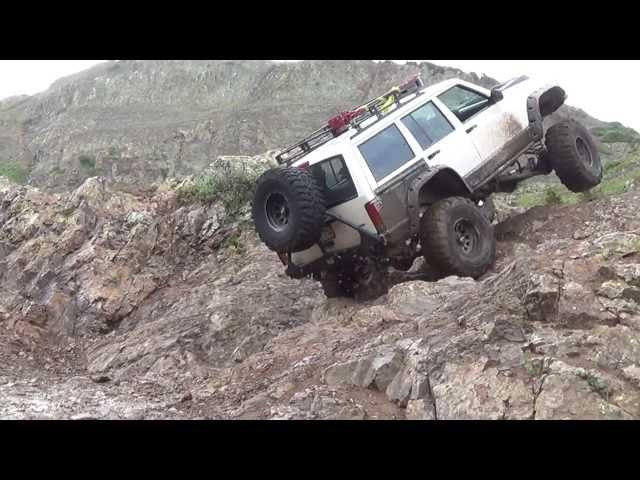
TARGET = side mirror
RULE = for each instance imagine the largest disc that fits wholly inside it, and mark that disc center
(496, 95)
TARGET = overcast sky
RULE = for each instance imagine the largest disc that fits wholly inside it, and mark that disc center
(606, 89)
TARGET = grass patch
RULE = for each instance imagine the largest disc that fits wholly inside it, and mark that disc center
(619, 176)
(230, 183)
(14, 172)
(529, 200)
(588, 196)
(67, 212)
(604, 148)
(234, 241)
(616, 132)
(616, 186)
(87, 162)
(597, 385)
(613, 166)
(552, 197)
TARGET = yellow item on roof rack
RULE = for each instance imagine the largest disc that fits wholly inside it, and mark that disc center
(386, 106)
(384, 102)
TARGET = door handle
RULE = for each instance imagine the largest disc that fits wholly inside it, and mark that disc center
(468, 130)
(433, 154)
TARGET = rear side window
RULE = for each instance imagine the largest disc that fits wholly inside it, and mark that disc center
(333, 176)
(463, 102)
(386, 152)
(427, 125)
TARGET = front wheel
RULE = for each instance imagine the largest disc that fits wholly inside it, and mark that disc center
(488, 208)
(574, 156)
(457, 238)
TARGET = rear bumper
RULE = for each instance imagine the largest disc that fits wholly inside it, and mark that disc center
(347, 237)
(370, 246)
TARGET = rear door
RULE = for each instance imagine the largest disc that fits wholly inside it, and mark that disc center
(401, 151)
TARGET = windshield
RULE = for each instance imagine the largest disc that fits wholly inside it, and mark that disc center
(463, 102)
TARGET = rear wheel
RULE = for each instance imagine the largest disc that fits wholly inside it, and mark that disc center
(574, 156)
(457, 238)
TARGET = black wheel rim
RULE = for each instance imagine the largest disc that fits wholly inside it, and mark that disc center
(277, 211)
(467, 236)
(584, 152)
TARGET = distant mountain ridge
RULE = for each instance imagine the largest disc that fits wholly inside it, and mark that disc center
(142, 121)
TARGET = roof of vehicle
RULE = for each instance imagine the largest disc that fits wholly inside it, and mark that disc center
(423, 95)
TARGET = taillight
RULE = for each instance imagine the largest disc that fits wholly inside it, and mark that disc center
(373, 209)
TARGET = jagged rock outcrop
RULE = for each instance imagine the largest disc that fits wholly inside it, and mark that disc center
(143, 121)
(132, 305)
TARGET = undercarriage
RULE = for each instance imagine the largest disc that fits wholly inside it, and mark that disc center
(531, 163)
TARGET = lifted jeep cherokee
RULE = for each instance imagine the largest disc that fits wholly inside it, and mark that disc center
(410, 174)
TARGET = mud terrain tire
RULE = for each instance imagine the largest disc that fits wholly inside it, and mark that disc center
(574, 156)
(488, 208)
(457, 238)
(288, 209)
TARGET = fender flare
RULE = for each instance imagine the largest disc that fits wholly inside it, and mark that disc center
(415, 187)
(541, 103)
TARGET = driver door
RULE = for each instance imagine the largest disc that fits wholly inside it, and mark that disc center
(488, 125)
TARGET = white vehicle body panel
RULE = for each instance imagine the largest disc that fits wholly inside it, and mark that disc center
(461, 150)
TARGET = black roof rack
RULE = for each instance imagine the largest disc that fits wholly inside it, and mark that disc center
(378, 107)
(310, 143)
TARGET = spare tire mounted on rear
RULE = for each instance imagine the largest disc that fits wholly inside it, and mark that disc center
(288, 209)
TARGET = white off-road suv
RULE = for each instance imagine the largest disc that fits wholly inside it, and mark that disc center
(410, 173)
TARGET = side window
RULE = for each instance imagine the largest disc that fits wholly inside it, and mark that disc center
(463, 102)
(386, 151)
(334, 178)
(428, 125)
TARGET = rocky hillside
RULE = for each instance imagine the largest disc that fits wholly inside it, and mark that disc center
(132, 305)
(142, 121)
(128, 293)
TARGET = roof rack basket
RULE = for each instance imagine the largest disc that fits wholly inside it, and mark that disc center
(378, 107)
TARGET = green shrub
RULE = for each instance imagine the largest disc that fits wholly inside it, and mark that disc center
(87, 162)
(589, 196)
(234, 241)
(615, 132)
(613, 165)
(598, 385)
(67, 212)
(14, 172)
(551, 197)
(231, 183)
(529, 200)
(618, 185)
